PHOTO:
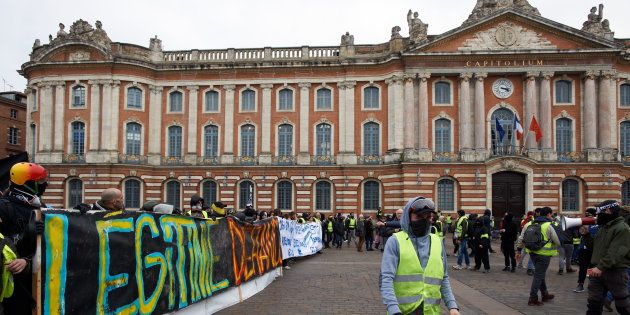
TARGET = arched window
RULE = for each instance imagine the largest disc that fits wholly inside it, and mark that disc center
(176, 101)
(209, 191)
(570, 195)
(173, 194)
(174, 141)
(442, 93)
(624, 139)
(442, 136)
(75, 192)
(132, 194)
(371, 195)
(625, 193)
(323, 136)
(134, 138)
(78, 138)
(134, 98)
(245, 194)
(248, 140)
(212, 101)
(211, 140)
(564, 136)
(285, 140)
(371, 139)
(371, 97)
(323, 196)
(324, 99)
(284, 195)
(446, 195)
(78, 96)
(564, 92)
(286, 99)
(248, 100)
(624, 94)
(502, 145)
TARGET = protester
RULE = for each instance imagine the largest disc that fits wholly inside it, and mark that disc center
(360, 233)
(449, 223)
(197, 207)
(218, 210)
(488, 222)
(148, 206)
(385, 232)
(565, 251)
(411, 252)
(585, 250)
(351, 225)
(461, 237)
(542, 257)
(509, 233)
(111, 200)
(472, 218)
(338, 230)
(262, 215)
(480, 241)
(328, 224)
(520, 256)
(368, 226)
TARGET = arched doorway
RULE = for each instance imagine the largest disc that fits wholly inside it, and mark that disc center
(508, 194)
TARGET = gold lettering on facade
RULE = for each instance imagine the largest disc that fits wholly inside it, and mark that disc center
(504, 63)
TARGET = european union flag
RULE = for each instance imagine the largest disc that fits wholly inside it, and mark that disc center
(499, 129)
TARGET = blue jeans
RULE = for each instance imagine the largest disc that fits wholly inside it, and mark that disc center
(463, 252)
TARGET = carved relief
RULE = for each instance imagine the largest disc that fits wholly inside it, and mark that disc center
(79, 55)
(507, 36)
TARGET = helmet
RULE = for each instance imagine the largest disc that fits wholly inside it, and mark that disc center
(24, 172)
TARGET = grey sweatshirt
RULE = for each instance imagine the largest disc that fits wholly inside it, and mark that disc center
(389, 264)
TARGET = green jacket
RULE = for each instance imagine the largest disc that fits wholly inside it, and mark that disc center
(611, 248)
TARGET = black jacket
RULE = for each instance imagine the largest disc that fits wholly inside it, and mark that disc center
(476, 236)
(16, 216)
(338, 226)
(511, 231)
(369, 227)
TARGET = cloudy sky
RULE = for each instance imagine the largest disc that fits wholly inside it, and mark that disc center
(207, 24)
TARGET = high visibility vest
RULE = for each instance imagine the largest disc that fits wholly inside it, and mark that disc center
(549, 249)
(7, 277)
(438, 231)
(301, 220)
(576, 241)
(316, 220)
(449, 220)
(204, 213)
(485, 235)
(458, 227)
(352, 224)
(414, 285)
(330, 227)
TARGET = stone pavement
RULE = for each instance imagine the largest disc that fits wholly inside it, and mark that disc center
(346, 282)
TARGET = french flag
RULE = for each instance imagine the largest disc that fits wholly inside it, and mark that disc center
(518, 128)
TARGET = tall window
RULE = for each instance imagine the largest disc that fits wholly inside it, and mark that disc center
(624, 94)
(446, 195)
(284, 195)
(285, 140)
(564, 93)
(34, 100)
(248, 100)
(324, 99)
(570, 195)
(442, 93)
(371, 97)
(211, 141)
(33, 139)
(209, 191)
(323, 196)
(134, 98)
(78, 96)
(371, 139)
(75, 192)
(248, 140)
(176, 101)
(134, 138)
(173, 194)
(246, 194)
(506, 120)
(212, 101)
(13, 135)
(174, 141)
(286, 99)
(371, 195)
(132, 194)
(14, 113)
(442, 136)
(323, 140)
(625, 193)
(78, 138)
(624, 139)
(564, 135)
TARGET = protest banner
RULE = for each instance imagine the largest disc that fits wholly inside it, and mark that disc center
(146, 263)
(299, 240)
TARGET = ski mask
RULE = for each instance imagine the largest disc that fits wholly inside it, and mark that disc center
(420, 227)
(602, 217)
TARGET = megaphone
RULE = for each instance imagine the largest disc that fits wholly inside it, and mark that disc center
(568, 223)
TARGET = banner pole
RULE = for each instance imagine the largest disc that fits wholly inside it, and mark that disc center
(36, 270)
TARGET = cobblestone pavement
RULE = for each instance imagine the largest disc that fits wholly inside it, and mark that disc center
(346, 282)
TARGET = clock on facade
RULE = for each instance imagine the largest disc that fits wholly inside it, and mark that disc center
(503, 88)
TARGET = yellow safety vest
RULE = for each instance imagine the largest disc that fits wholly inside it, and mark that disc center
(414, 285)
(549, 249)
(576, 241)
(204, 213)
(330, 227)
(458, 227)
(7, 277)
(352, 223)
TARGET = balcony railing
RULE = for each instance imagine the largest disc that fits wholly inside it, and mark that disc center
(571, 157)
(322, 160)
(625, 160)
(132, 159)
(370, 159)
(172, 160)
(507, 150)
(246, 160)
(284, 160)
(208, 160)
(74, 158)
(445, 157)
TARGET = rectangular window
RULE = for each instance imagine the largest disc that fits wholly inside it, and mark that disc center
(324, 99)
(284, 195)
(625, 94)
(248, 138)
(176, 100)
(212, 101)
(78, 96)
(246, 194)
(322, 196)
(211, 139)
(446, 195)
(570, 195)
(132, 194)
(14, 113)
(248, 101)
(13, 135)
(34, 100)
(209, 191)
(285, 140)
(286, 100)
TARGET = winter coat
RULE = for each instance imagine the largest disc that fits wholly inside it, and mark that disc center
(511, 231)
(477, 240)
(611, 249)
(338, 226)
(369, 227)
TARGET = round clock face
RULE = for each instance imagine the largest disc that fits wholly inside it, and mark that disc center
(503, 88)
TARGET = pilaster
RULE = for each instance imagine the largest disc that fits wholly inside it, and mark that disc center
(191, 148)
(92, 155)
(115, 122)
(228, 152)
(155, 124)
(480, 119)
(423, 113)
(346, 153)
(590, 112)
(531, 109)
(545, 117)
(60, 89)
(304, 156)
(465, 126)
(265, 154)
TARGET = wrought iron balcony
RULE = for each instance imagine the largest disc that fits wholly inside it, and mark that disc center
(132, 159)
(74, 158)
(208, 160)
(370, 159)
(172, 160)
(322, 160)
(571, 157)
(507, 150)
(246, 160)
(625, 160)
(445, 157)
(284, 160)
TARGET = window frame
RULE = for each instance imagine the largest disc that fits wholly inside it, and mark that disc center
(624, 85)
(71, 142)
(364, 99)
(364, 136)
(315, 137)
(435, 135)
(571, 91)
(202, 191)
(13, 113)
(240, 140)
(169, 103)
(166, 194)
(332, 99)
(126, 139)
(279, 140)
(365, 195)
(434, 90)
(316, 199)
(168, 142)
(558, 133)
(625, 193)
(127, 98)
(205, 100)
(279, 99)
(290, 196)
(577, 197)
(140, 190)
(73, 88)
(439, 194)
(205, 143)
(240, 100)
(627, 138)
(70, 192)
(239, 191)
(13, 133)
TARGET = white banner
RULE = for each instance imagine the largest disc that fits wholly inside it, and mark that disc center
(299, 239)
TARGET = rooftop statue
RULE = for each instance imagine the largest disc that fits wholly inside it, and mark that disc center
(485, 8)
(417, 29)
(596, 25)
(347, 39)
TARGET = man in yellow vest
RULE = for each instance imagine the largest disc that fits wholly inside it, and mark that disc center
(542, 257)
(414, 278)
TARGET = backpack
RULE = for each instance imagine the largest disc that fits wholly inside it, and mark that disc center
(533, 238)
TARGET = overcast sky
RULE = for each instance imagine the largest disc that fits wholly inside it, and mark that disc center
(216, 24)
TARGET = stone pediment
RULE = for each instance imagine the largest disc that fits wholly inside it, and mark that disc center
(507, 36)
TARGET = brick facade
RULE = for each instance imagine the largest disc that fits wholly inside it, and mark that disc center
(13, 119)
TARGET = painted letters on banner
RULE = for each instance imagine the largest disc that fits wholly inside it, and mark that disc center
(300, 239)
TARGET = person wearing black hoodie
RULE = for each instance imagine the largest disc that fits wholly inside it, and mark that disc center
(338, 230)
(472, 219)
(509, 232)
(481, 243)
(486, 218)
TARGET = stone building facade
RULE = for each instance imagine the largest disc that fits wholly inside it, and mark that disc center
(13, 120)
(348, 128)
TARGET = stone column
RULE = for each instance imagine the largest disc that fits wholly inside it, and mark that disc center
(59, 134)
(341, 128)
(465, 123)
(347, 154)
(191, 148)
(590, 113)
(409, 137)
(31, 94)
(155, 124)
(395, 107)
(115, 122)
(305, 108)
(228, 134)
(95, 117)
(106, 116)
(45, 118)
(265, 154)
(480, 117)
(424, 152)
(545, 117)
(531, 108)
(607, 116)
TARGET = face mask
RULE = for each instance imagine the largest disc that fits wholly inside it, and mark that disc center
(604, 218)
(420, 227)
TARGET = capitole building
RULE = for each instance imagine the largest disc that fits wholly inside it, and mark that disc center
(344, 128)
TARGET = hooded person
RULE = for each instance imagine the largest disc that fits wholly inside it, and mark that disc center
(197, 207)
(414, 276)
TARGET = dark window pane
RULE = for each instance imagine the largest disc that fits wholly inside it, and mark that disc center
(209, 191)
(246, 194)
(371, 195)
(284, 195)
(446, 195)
(570, 195)
(323, 196)
(132, 194)
(173, 194)
(75, 192)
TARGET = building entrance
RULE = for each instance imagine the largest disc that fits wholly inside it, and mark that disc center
(508, 195)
